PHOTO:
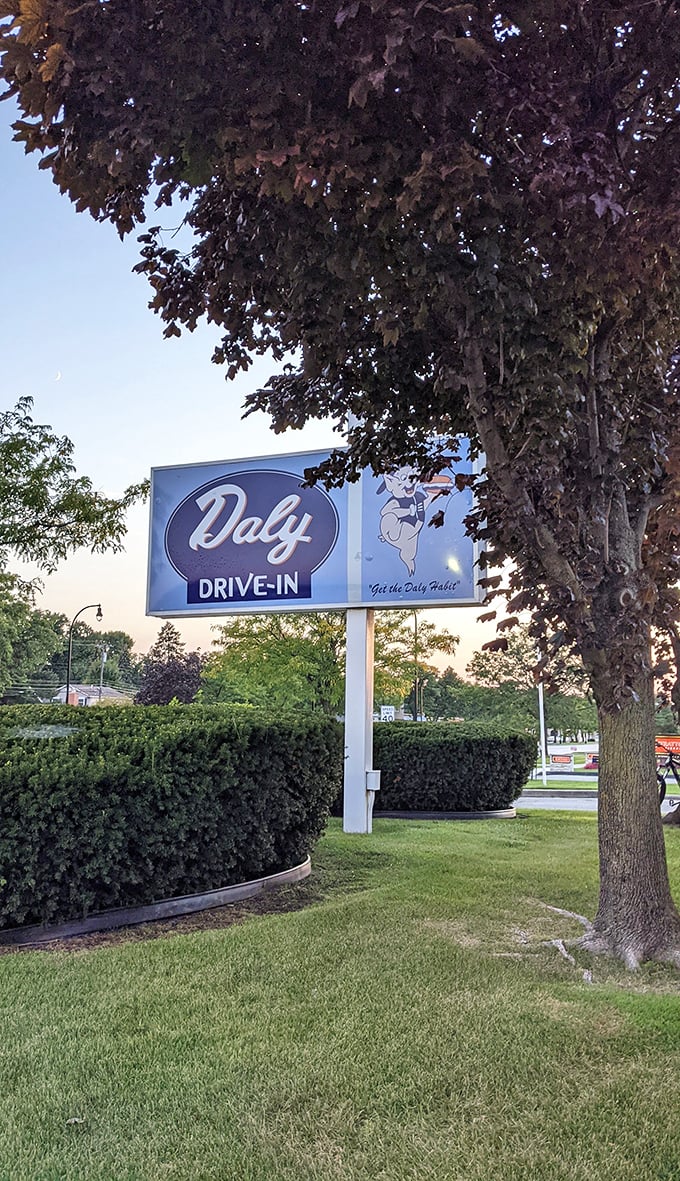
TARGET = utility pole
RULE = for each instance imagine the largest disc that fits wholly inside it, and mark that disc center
(105, 653)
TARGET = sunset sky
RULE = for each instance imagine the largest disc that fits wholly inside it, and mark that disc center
(77, 336)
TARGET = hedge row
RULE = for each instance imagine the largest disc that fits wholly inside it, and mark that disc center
(106, 808)
(450, 767)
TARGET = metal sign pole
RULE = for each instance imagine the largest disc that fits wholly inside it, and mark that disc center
(541, 720)
(356, 816)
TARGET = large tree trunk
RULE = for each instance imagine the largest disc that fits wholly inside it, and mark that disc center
(636, 918)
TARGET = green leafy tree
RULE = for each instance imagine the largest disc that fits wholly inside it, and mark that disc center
(46, 510)
(83, 648)
(517, 662)
(517, 667)
(571, 716)
(497, 699)
(280, 661)
(666, 721)
(297, 661)
(28, 638)
(122, 667)
(514, 664)
(463, 218)
(42, 677)
(444, 696)
(169, 673)
(405, 647)
(84, 654)
(449, 696)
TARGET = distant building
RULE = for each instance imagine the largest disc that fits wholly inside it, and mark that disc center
(91, 695)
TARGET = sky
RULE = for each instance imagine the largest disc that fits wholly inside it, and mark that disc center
(77, 336)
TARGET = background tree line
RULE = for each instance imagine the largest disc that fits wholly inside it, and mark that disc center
(288, 662)
(294, 662)
(34, 651)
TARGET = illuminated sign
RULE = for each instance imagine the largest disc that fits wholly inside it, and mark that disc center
(247, 535)
(253, 535)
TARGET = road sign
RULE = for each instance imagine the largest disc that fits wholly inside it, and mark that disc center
(562, 762)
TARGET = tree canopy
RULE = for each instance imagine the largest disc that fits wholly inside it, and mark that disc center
(46, 510)
(122, 667)
(169, 672)
(463, 218)
(297, 661)
(28, 638)
(516, 664)
(568, 716)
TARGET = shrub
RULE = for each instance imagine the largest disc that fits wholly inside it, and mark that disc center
(107, 808)
(450, 767)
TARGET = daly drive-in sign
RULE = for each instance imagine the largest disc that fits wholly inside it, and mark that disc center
(248, 535)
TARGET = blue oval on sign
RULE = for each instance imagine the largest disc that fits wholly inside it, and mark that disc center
(250, 536)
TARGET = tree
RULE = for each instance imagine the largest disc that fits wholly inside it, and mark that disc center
(512, 670)
(666, 721)
(169, 673)
(448, 696)
(122, 667)
(465, 218)
(280, 661)
(417, 645)
(46, 511)
(296, 661)
(514, 664)
(517, 663)
(571, 715)
(28, 638)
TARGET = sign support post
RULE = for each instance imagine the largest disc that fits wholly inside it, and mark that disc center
(357, 798)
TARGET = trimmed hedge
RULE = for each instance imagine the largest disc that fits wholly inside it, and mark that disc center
(102, 808)
(449, 767)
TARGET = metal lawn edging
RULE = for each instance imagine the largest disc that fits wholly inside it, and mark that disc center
(494, 814)
(127, 916)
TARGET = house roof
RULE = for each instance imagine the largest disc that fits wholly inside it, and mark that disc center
(93, 690)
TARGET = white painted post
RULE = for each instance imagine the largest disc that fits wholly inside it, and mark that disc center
(358, 718)
(541, 719)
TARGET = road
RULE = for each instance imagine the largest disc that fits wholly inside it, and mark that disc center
(575, 803)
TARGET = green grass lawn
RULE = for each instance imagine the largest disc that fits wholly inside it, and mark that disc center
(408, 1024)
(574, 784)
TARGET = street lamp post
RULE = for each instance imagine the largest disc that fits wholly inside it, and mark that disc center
(70, 642)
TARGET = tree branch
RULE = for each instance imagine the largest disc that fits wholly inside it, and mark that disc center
(555, 565)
